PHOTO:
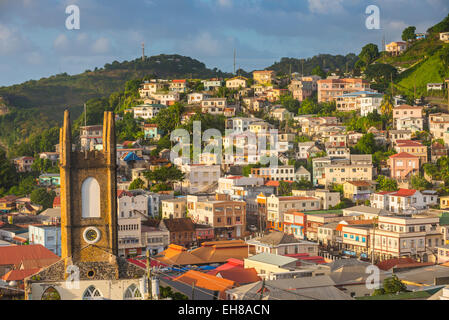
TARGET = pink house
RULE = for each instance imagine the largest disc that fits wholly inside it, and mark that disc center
(403, 165)
(204, 232)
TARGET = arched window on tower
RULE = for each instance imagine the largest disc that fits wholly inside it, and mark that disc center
(92, 293)
(90, 195)
(133, 293)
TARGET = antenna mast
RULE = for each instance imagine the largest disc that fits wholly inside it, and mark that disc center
(234, 61)
(143, 51)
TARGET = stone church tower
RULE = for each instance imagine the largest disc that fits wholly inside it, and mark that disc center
(89, 243)
(88, 197)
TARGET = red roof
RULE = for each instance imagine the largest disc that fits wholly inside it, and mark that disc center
(404, 193)
(57, 202)
(352, 222)
(13, 255)
(391, 263)
(404, 155)
(230, 264)
(123, 193)
(273, 183)
(19, 275)
(143, 263)
(384, 192)
(179, 80)
(240, 275)
(204, 280)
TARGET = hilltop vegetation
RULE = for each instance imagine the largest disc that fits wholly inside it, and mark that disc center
(36, 105)
(424, 61)
(326, 62)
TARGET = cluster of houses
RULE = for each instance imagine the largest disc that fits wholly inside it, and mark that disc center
(237, 235)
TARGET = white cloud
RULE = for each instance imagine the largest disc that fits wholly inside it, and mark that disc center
(206, 44)
(61, 42)
(396, 25)
(34, 58)
(225, 3)
(82, 38)
(11, 41)
(325, 6)
(101, 46)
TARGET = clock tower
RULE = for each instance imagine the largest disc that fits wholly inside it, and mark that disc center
(88, 197)
(89, 267)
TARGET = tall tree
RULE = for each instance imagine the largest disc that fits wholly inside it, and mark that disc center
(137, 184)
(409, 34)
(318, 72)
(8, 174)
(369, 53)
(42, 197)
(386, 107)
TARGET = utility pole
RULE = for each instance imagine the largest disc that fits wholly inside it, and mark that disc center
(447, 85)
(302, 67)
(392, 85)
(150, 288)
(85, 115)
(262, 289)
(374, 238)
(193, 290)
(143, 51)
(414, 88)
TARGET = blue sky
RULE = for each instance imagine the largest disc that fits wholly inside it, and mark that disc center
(35, 43)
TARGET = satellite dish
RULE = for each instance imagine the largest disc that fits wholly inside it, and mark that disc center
(12, 283)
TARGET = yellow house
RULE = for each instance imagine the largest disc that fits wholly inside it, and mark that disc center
(236, 82)
(174, 208)
(358, 190)
(259, 127)
(264, 76)
(444, 202)
(396, 48)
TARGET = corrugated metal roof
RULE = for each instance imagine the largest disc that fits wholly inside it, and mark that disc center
(273, 259)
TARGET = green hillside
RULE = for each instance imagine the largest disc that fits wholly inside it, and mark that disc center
(429, 70)
(37, 105)
(327, 62)
(421, 63)
(64, 90)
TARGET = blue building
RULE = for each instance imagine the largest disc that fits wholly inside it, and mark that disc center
(48, 236)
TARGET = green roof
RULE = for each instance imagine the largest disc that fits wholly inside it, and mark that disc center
(444, 219)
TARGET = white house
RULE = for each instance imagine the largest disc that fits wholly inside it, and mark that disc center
(196, 97)
(147, 111)
(404, 200)
(48, 236)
